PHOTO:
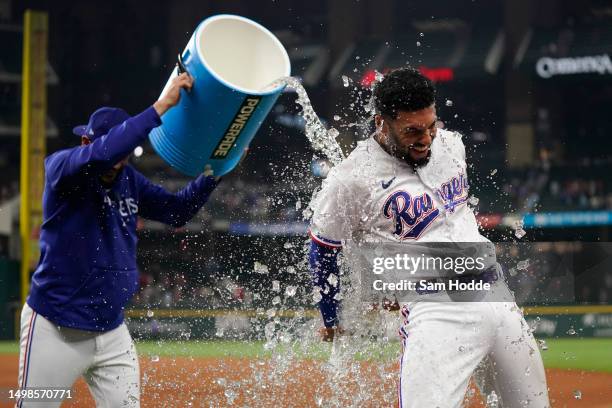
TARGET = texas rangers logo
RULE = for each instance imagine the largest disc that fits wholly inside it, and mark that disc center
(411, 215)
(454, 192)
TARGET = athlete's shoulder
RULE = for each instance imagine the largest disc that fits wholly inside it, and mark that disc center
(354, 171)
(56, 162)
(59, 155)
(355, 157)
(450, 135)
(452, 140)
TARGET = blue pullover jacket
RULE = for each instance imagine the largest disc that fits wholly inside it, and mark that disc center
(87, 270)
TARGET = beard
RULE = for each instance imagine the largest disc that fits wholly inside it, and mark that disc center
(403, 154)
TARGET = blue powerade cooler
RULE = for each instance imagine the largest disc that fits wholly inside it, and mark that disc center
(233, 61)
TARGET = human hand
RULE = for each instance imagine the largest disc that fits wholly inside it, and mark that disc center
(172, 94)
(390, 305)
(328, 333)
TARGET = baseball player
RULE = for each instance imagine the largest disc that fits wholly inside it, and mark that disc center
(72, 322)
(409, 184)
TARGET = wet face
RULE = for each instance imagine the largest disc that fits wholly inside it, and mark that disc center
(111, 174)
(409, 136)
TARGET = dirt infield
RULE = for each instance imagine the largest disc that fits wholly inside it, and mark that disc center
(220, 382)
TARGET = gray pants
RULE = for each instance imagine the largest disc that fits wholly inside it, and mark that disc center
(55, 357)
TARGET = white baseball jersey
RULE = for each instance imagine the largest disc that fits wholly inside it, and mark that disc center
(373, 196)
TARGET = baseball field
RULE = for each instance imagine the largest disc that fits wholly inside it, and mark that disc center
(234, 373)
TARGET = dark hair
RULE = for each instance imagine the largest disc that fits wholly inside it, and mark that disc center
(403, 89)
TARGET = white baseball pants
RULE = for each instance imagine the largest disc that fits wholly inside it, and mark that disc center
(444, 342)
(54, 357)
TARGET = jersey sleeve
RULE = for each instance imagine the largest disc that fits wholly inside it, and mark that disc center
(66, 166)
(174, 209)
(334, 215)
(323, 264)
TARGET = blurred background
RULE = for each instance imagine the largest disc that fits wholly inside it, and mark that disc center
(527, 82)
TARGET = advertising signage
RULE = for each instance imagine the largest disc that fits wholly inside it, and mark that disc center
(549, 67)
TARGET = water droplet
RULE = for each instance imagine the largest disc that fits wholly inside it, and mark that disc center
(418, 43)
(542, 344)
(493, 172)
(455, 115)
(345, 81)
(522, 265)
(461, 349)
(571, 331)
(275, 286)
(150, 313)
(271, 313)
(492, 400)
(519, 232)
(422, 34)
(154, 359)
(577, 394)
(332, 279)
(527, 372)
(230, 395)
(336, 117)
(290, 291)
(269, 330)
(276, 300)
(260, 268)
(316, 296)
(473, 201)
(448, 102)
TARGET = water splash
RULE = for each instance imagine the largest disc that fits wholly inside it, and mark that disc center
(321, 139)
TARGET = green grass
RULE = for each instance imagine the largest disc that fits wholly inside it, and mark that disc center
(9, 347)
(256, 349)
(579, 353)
(202, 348)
